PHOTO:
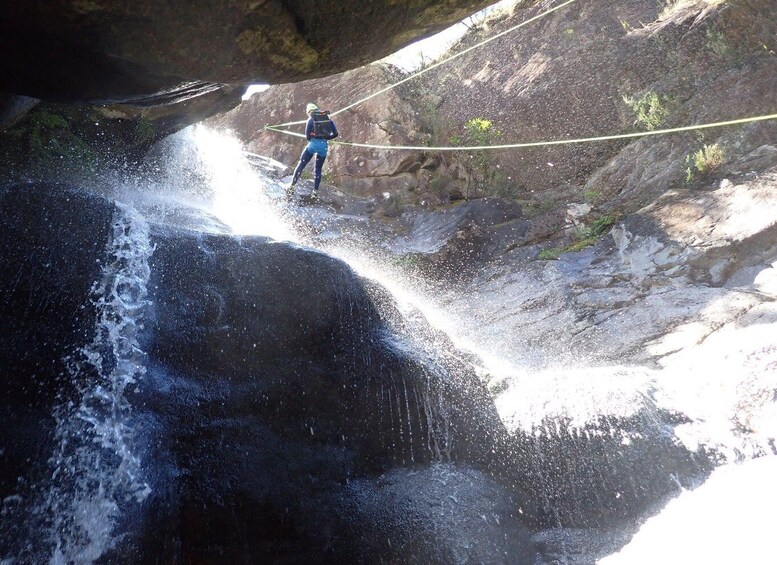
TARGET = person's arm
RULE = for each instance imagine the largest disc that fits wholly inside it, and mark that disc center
(334, 131)
(309, 129)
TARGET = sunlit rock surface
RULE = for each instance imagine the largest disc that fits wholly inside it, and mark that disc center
(635, 366)
(576, 73)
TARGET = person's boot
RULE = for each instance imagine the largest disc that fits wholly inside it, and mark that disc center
(290, 189)
(316, 185)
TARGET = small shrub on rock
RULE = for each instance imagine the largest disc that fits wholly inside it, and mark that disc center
(650, 110)
(708, 158)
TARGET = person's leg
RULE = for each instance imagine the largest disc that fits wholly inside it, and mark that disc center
(319, 165)
(304, 159)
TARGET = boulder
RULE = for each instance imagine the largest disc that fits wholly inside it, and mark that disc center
(455, 515)
(13, 108)
(601, 469)
(52, 256)
(221, 391)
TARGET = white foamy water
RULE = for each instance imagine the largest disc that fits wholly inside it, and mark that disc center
(729, 519)
(95, 468)
(200, 179)
(239, 198)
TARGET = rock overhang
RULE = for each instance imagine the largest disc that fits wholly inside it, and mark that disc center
(107, 51)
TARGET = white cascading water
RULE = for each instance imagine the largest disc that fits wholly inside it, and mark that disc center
(728, 519)
(709, 390)
(233, 192)
(96, 471)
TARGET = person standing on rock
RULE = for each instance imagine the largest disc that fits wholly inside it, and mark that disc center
(318, 131)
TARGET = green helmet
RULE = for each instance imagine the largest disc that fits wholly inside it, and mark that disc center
(310, 107)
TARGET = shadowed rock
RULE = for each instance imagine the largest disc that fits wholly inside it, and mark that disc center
(110, 51)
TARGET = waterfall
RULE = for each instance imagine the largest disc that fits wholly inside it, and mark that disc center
(95, 469)
(609, 442)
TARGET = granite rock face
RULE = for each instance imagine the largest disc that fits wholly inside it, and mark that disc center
(241, 399)
(583, 71)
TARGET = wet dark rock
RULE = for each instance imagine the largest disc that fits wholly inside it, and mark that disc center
(51, 255)
(606, 475)
(274, 379)
(277, 382)
(13, 108)
(441, 514)
(454, 242)
(569, 546)
(297, 329)
(139, 73)
(54, 141)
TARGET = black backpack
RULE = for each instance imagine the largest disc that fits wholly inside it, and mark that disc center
(322, 125)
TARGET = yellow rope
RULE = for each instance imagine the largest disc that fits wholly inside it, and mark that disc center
(546, 143)
(430, 67)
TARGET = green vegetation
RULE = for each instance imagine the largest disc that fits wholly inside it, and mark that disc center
(43, 131)
(704, 161)
(600, 226)
(438, 187)
(46, 144)
(407, 262)
(688, 171)
(537, 206)
(708, 158)
(430, 109)
(585, 237)
(592, 195)
(480, 131)
(718, 44)
(668, 48)
(144, 130)
(550, 254)
(482, 166)
(650, 110)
